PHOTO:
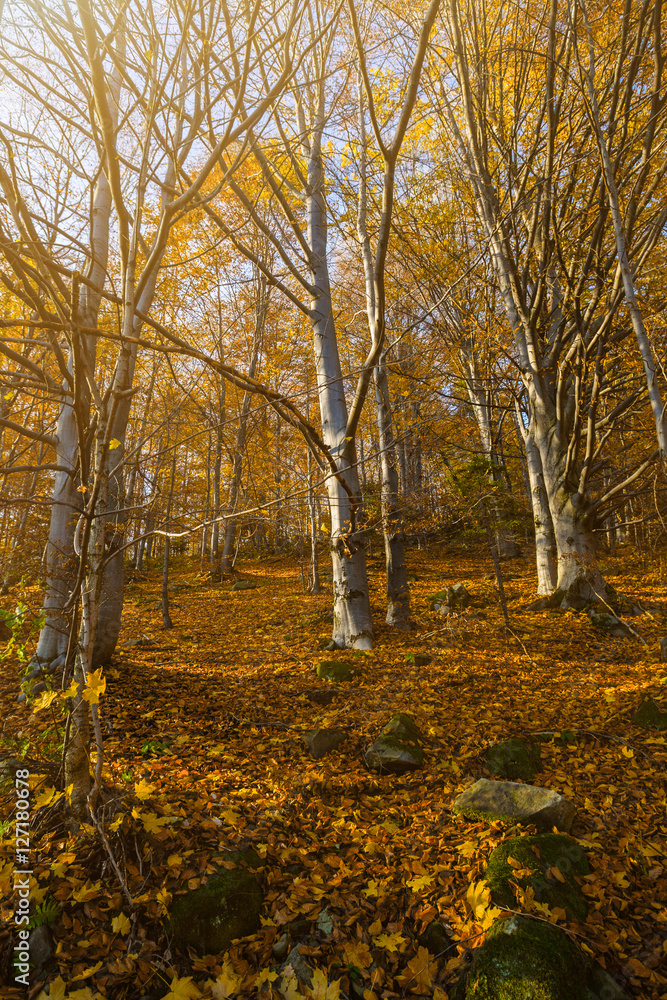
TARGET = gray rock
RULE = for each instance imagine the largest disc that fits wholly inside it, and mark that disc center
(512, 802)
(208, 919)
(244, 585)
(321, 742)
(41, 946)
(279, 948)
(514, 758)
(404, 727)
(21, 698)
(38, 688)
(458, 596)
(610, 624)
(302, 970)
(318, 697)
(392, 755)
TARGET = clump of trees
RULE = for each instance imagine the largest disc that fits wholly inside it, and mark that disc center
(286, 275)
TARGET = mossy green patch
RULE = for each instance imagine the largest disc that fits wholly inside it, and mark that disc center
(649, 716)
(514, 758)
(435, 600)
(392, 755)
(525, 960)
(208, 919)
(335, 670)
(540, 853)
(404, 727)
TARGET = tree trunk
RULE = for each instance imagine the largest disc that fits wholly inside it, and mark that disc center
(545, 541)
(227, 559)
(398, 593)
(579, 580)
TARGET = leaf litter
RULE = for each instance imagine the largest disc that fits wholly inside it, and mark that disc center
(204, 754)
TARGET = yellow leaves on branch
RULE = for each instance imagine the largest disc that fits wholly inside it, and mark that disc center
(45, 699)
(96, 685)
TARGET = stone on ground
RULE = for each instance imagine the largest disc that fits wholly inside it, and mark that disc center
(403, 726)
(663, 650)
(541, 853)
(244, 585)
(397, 750)
(525, 960)
(511, 802)
(514, 758)
(649, 716)
(321, 742)
(610, 624)
(320, 697)
(335, 670)
(208, 919)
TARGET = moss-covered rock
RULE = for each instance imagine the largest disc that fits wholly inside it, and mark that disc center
(533, 960)
(515, 758)
(649, 716)
(435, 600)
(335, 670)
(525, 960)
(244, 585)
(610, 624)
(435, 938)
(392, 755)
(403, 726)
(418, 659)
(511, 802)
(244, 857)
(540, 853)
(321, 742)
(209, 918)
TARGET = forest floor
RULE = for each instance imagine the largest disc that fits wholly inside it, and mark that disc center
(203, 741)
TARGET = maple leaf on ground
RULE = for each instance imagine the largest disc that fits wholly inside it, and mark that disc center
(419, 972)
(419, 882)
(289, 985)
(227, 984)
(357, 955)
(120, 924)
(182, 989)
(391, 942)
(87, 892)
(322, 989)
(478, 900)
(143, 789)
(56, 990)
(88, 972)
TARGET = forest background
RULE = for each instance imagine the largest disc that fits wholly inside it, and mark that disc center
(314, 298)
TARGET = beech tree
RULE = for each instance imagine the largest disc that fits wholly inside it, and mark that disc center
(129, 92)
(293, 167)
(540, 198)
